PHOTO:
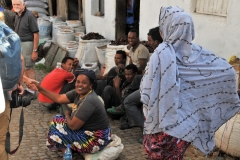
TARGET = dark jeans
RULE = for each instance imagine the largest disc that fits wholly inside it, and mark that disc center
(110, 98)
(133, 108)
(101, 84)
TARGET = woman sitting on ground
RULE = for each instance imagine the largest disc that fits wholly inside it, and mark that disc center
(86, 126)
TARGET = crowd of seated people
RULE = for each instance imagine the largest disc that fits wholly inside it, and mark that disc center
(117, 89)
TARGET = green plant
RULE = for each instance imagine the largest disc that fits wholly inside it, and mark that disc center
(43, 67)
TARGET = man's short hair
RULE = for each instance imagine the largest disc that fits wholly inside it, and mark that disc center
(155, 34)
(135, 31)
(132, 67)
(123, 53)
(64, 60)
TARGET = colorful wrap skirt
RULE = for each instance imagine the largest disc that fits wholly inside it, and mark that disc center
(82, 141)
(162, 146)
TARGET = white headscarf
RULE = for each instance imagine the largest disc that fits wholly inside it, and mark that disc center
(187, 91)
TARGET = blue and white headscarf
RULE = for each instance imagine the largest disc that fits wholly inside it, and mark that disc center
(187, 91)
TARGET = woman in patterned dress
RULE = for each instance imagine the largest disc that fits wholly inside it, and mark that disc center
(85, 127)
(187, 92)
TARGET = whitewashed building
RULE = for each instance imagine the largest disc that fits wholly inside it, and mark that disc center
(217, 22)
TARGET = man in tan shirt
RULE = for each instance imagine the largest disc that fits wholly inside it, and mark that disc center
(138, 54)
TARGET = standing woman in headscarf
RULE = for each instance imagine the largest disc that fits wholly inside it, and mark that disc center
(86, 126)
(187, 92)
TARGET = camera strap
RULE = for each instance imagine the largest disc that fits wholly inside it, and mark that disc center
(21, 123)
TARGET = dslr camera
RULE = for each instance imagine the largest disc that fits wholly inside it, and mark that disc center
(18, 100)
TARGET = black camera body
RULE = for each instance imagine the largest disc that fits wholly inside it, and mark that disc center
(18, 100)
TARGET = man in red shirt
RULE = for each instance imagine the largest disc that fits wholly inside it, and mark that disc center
(55, 80)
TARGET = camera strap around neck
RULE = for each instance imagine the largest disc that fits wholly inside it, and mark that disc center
(21, 123)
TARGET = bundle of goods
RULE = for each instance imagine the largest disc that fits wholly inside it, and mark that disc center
(119, 44)
(101, 51)
(64, 36)
(45, 27)
(145, 43)
(227, 137)
(55, 19)
(235, 62)
(76, 25)
(39, 6)
(71, 47)
(86, 52)
(55, 28)
(92, 35)
(91, 66)
(120, 41)
(77, 35)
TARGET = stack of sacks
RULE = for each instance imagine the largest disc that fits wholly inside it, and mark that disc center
(40, 6)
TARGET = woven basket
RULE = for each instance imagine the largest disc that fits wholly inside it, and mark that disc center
(227, 136)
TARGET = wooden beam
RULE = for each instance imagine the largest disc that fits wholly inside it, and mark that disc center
(80, 10)
(50, 7)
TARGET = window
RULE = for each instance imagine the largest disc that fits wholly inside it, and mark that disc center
(214, 7)
(98, 7)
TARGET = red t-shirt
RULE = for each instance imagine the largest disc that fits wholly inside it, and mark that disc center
(54, 82)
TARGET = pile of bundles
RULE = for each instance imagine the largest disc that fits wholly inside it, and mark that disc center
(92, 35)
(87, 54)
(227, 137)
(120, 41)
(39, 6)
(233, 60)
(123, 41)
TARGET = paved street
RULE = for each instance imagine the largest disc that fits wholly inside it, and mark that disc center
(33, 145)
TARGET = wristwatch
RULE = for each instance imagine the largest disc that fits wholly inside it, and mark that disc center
(35, 50)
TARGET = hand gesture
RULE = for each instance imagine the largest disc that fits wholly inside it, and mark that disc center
(117, 82)
(119, 68)
(34, 85)
(75, 62)
(30, 83)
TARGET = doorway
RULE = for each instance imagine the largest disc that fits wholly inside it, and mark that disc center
(126, 10)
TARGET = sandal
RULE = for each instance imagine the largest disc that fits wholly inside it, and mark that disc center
(140, 141)
(114, 111)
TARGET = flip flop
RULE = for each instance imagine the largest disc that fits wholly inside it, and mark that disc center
(114, 111)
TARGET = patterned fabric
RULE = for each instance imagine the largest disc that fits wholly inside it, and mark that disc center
(81, 141)
(163, 146)
(186, 91)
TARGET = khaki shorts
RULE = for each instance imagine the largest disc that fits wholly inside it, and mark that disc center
(27, 48)
(4, 123)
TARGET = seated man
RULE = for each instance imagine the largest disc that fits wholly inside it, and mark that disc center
(138, 54)
(55, 80)
(112, 96)
(103, 81)
(131, 105)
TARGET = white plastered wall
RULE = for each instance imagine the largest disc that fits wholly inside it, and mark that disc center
(104, 25)
(220, 35)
